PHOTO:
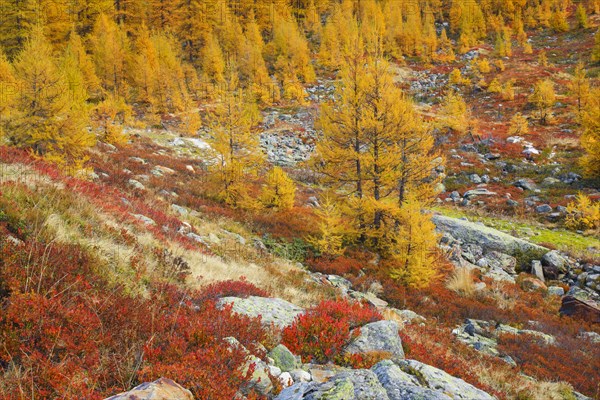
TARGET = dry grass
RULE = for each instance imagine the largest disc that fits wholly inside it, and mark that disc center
(461, 282)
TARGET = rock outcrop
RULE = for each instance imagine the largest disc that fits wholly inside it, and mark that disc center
(275, 311)
(160, 389)
(380, 336)
(488, 238)
(387, 380)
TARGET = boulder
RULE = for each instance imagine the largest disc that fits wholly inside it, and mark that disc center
(537, 270)
(380, 336)
(486, 237)
(478, 192)
(543, 209)
(401, 386)
(579, 303)
(556, 290)
(284, 359)
(502, 261)
(555, 262)
(160, 389)
(275, 311)
(525, 184)
(440, 381)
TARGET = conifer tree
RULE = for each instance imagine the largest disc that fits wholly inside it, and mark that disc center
(581, 16)
(543, 98)
(596, 48)
(543, 59)
(234, 147)
(108, 118)
(46, 117)
(590, 138)
(580, 86)
(279, 190)
(454, 113)
(445, 52)
(558, 20)
(77, 59)
(8, 91)
(213, 62)
(332, 228)
(518, 125)
(252, 66)
(110, 48)
(414, 247)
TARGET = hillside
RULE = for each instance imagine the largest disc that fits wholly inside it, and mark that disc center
(308, 200)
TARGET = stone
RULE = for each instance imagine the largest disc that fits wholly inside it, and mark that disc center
(284, 359)
(143, 219)
(408, 316)
(285, 379)
(438, 380)
(486, 237)
(556, 290)
(380, 336)
(536, 269)
(525, 184)
(512, 203)
(502, 261)
(300, 375)
(160, 389)
(179, 210)
(272, 310)
(529, 283)
(476, 179)
(543, 209)
(478, 192)
(260, 380)
(275, 371)
(554, 260)
(580, 303)
(550, 181)
(455, 196)
(136, 184)
(401, 386)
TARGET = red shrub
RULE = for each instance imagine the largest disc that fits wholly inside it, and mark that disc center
(321, 333)
(335, 265)
(239, 288)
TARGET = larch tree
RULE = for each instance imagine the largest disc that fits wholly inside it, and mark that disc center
(252, 66)
(110, 49)
(590, 138)
(279, 190)
(234, 149)
(581, 17)
(77, 57)
(518, 125)
(596, 48)
(454, 112)
(332, 228)
(414, 246)
(580, 87)
(213, 61)
(543, 98)
(8, 91)
(47, 117)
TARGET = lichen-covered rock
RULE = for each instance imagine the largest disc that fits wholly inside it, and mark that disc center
(502, 261)
(401, 386)
(486, 237)
(160, 389)
(275, 311)
(377, 336)
(284, 359)
(555, 262)
(441, 381)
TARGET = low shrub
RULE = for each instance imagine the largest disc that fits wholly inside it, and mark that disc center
(239, 288)
(320, 334)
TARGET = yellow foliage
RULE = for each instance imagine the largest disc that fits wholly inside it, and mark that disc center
(484, 66)
(494, 86)
(590, 138)
(543, 98)
(454, 113)
(413, 251)
(583, 213)
(279, 190)
(518, 125)
(331, 228)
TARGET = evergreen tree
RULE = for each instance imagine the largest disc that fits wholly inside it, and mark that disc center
(590, 138)
(580, 86)
(581, 16)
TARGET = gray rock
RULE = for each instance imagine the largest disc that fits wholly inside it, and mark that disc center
(543, 208)
(556, 290)
(378, 336)
(401, 386)
(550, 181)
(439, 380)
(136, 184)
(300, 375)
(478, 192)
(284, 359)
(537, 270)
(272, 310)
(472, 252)
(455, 196)
(512, 203)
(502, 261)
(143, 219)
(476, 179)
(525, 184)
(554, 260)
(486, 237)
(160, 389)
(179, 210)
